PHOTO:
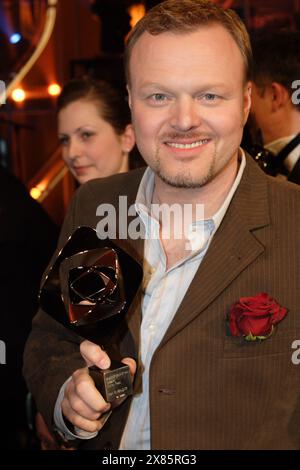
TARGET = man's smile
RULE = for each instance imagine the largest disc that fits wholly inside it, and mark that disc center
(183, 145)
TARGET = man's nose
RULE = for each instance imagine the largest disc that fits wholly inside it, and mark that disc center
(185, 114)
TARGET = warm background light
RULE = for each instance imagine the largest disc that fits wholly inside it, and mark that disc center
(38, 189)
(18, 95)
(136, 12)
(54, 89)
(35, 193)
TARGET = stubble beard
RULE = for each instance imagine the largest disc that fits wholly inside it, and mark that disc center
(185, 179)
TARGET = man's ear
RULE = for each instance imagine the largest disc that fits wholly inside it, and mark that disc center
(247, 100)
(280, 96)
(129, 96)
(128, 138)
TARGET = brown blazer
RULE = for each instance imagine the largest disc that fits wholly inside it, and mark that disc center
(207, 390)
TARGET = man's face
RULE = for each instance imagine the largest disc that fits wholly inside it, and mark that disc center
(189, 103)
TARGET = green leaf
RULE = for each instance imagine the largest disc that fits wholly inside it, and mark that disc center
(250, 337)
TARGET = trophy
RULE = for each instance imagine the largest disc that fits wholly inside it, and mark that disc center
(89, 289)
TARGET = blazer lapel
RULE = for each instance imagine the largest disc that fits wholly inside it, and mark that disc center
(232, 249)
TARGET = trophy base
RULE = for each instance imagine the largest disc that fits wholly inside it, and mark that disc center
(113, 383)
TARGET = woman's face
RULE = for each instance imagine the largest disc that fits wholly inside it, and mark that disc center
(90, 146)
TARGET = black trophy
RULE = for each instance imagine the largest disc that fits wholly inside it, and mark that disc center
(89, 290)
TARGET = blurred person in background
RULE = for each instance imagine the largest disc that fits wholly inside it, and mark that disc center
(275, 109)
(27, 240)
(95, 131)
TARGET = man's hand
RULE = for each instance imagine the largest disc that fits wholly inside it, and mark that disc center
(83, 405)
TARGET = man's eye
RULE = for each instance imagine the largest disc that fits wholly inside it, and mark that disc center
(158, 98)
(210, 97)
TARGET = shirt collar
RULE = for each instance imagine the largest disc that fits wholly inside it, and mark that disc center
(277, 145)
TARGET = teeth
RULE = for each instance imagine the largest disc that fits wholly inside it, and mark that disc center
(187, 146)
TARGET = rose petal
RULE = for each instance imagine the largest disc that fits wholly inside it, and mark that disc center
(233, 329)
(255, 315)
(279, 316)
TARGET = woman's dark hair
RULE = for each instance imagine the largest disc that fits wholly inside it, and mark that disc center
(113, 106)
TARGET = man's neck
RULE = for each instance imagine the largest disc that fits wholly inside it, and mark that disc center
(284, 125)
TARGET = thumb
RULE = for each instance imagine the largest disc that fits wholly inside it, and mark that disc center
(94, 355)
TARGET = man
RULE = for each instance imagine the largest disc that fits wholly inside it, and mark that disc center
(196, 385)
(27, 240)
(275, 99)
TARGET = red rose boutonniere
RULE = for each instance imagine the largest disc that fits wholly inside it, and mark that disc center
(255, 317)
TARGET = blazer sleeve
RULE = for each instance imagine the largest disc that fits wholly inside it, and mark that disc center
(52, 352)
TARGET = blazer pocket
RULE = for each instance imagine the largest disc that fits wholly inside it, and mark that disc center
(279, 343)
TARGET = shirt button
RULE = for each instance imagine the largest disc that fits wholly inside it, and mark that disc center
(151, 327)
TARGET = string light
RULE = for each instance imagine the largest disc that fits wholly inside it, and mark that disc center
(54, 89)
(18, 95)
(35, 193)
(39, 189)
(15, 38)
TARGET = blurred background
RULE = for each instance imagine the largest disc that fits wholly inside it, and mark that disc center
(43, 44)
(74, 38)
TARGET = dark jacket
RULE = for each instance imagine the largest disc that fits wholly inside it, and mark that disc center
(208, 390)
(27, 241)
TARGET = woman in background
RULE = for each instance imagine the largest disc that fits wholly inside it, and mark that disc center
(95, 131)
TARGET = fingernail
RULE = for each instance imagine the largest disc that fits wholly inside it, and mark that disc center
(104, 364)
